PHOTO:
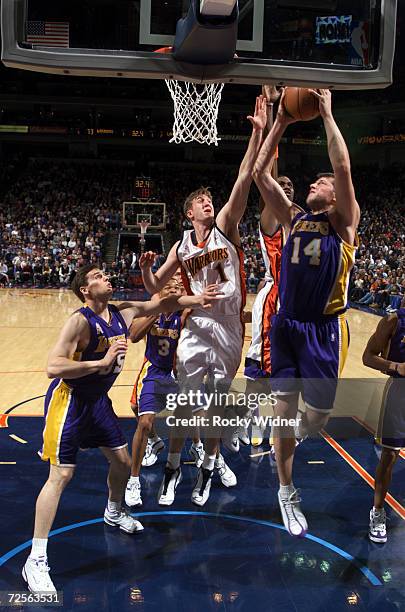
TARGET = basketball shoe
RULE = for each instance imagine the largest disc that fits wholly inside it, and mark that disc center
(36, 574)
(197, 453)
(123, 520)
(170, 482)
(377, 530)
(201, 491)
(225, 473)
(293, 517)
(151, 452)
(133, 493)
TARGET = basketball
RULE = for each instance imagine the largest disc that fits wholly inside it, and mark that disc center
(300, 103)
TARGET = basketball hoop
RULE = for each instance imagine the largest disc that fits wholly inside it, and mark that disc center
(195, 109)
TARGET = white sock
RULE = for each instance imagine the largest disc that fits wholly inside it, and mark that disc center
(134, 479)
(209, 461)
(153, 438)
(38, 547)
(197, 444)
(114, 507)
(286, 490)
(173, 460)
(378, 510)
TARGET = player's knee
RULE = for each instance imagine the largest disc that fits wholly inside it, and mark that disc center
(315, 421)
(146, 423)
(60, 477)
(388, 456)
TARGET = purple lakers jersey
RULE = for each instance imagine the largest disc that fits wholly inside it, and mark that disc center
(162, 341)
(102, 336)
(315, 269)
(396, 352)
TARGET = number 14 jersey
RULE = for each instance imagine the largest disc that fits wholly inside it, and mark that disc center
(315, 269)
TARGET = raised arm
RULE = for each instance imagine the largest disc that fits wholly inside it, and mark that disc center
(374, 354)
(273, 196)
(155, 282)
(133, 310)
(347, 210)
(230, 215)
(75, 336)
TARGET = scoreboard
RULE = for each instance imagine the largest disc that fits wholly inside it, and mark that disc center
(143, 188)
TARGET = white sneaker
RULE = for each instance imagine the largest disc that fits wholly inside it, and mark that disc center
(170, 482)
(293, 517)
(197, 453)
(257, 435)
(133, 493)
(151, 452)
(201, 491)
(243, 435)
(225, 473)
(231, 442)
(377, 530)
(122, 520)
(36, 574)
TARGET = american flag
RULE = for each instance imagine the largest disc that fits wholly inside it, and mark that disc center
(48, 33)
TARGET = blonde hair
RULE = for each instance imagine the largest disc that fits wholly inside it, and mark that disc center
(194, 194)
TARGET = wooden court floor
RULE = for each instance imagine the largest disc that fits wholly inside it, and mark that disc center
(30, 323)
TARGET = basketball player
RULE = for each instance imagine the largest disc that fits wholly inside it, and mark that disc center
(385, 351)
(210, 345)
(154, 382)
(272, 238)
(309, 335)
(85, 362)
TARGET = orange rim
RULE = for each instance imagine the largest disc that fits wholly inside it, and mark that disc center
(163, 50)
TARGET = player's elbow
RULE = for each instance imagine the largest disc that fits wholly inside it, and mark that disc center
(366, 358)
(51, 371)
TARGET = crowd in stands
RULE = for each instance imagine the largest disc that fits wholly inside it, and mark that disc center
(55, 216)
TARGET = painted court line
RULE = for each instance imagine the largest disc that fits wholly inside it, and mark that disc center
(8, 462)
(391, 501)
(371, 577)
(17, 439)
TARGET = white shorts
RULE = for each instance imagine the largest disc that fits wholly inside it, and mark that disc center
(211, 348)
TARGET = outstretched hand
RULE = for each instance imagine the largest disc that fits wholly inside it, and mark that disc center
(210, 294)
(282, 115)
(147, 260)
(324, 97)
(259, 119)
(272, 93)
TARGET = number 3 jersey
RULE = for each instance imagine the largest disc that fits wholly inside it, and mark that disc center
(162, 339)
(102, 336)
(216, 260)
(315, 269)
(156, 379)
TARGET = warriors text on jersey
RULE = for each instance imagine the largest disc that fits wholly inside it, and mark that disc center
(216, 260)
(102, 336)
(315, 268)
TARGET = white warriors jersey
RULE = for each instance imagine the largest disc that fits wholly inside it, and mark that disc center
(216, 260)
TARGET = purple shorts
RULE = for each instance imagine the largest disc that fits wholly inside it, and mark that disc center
(391, 426)
(73, 421)
(308, 357)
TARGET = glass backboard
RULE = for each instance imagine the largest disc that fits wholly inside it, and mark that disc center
(336, 43)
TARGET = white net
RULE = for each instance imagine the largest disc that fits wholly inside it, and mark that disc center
(195, 111)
